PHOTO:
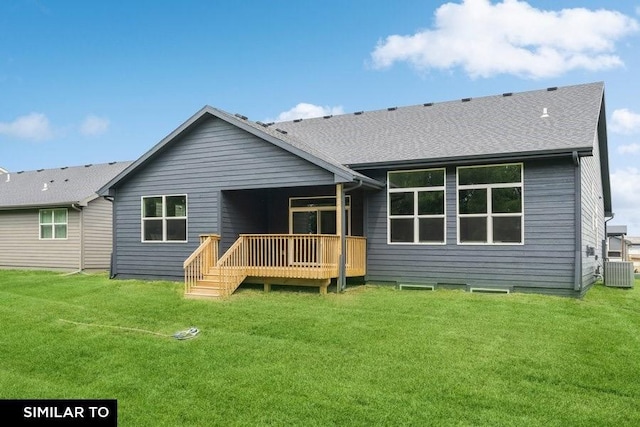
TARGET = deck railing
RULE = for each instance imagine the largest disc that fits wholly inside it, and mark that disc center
(300, 256)
(201, 260)
(356, 252)
(287, 256)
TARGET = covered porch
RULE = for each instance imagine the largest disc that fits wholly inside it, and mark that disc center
(297, 236)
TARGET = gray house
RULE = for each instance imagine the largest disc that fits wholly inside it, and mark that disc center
(53, 218)
(505, 192)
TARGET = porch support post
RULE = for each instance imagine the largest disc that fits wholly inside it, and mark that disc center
(340, 231)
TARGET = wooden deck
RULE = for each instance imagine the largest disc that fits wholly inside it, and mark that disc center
(295, 259)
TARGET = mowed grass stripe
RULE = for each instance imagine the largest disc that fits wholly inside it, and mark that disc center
(370, 356)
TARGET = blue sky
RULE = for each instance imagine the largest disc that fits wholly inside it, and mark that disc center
(97, 81)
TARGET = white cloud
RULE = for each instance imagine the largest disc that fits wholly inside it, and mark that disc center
(629, 149)
(94, 126)
(33, 126)
(307, 111)
(625, 121)
(625, 187)
(510, 37)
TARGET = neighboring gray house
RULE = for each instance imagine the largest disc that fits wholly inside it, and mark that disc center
(506, 192)
(617, 244)
(53, 218)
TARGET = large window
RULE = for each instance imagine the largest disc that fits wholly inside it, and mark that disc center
(490, 204)
(53, 223)
(164, 219)
(416, 206)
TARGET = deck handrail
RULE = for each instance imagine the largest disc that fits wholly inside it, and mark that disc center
(287, 256)
(261, 254)
(201, 260)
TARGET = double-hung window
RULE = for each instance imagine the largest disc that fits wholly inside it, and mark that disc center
(164, 218)
(490, 204)
(53, 223)
(416, 206)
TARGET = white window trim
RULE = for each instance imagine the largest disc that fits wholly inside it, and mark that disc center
(416, 217)
(164, 218)
(53, 224)
(489, 215)
(319, 208)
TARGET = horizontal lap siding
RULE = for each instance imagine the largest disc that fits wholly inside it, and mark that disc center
(545, 260)
(97, 217)
(21, 247)
(213, 157)
(592, 215)
(243, 212)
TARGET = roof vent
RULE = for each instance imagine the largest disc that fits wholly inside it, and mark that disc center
(88, 166)
(297, 120)
(357, 113)
(19, 172)
(392, 108)
(66, 180)
(51, 181)
(550, 89)
(507, 94)
(240, 116)
(64, 167)
(268, 124)
(45, 187)
(466, 99)
(284, 132)
(39, 170)
(112, 163)
(427, 104)
(545, 114)
(327, 117)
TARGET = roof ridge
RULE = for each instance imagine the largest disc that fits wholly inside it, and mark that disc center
(432, 103)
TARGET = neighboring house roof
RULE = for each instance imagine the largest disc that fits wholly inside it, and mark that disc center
(635, 241)
(616, 230)
(51, 187)
(541, 123)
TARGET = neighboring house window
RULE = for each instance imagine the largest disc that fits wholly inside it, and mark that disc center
(164, 219)
(490, 204)
(416, 206)
(53, 223)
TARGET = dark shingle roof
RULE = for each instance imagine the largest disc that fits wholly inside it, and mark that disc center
(491, 125)
(64, 186)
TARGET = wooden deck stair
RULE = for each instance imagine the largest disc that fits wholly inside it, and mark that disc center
(214, 285)
(310, 260)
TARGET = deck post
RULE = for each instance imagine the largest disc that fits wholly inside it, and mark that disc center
(340, 231)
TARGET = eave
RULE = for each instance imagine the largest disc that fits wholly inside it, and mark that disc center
(469, 160)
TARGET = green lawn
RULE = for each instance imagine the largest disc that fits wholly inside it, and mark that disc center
(370, 356)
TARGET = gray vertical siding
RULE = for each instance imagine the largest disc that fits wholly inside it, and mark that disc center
(97, 234)
(213, 157)
(20, 246)
(545, 260)
(592, 216)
